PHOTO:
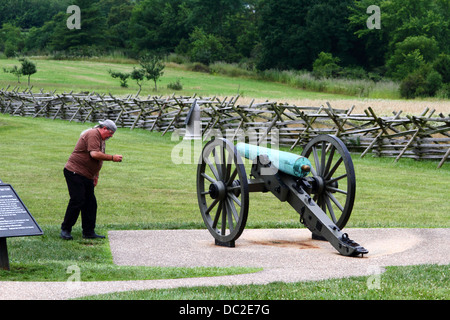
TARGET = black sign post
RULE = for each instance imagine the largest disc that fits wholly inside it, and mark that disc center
(15, 221)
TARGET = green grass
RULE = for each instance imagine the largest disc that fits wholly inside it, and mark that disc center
(65, 76)
(428, 282)
(47, 258)
(148, 191)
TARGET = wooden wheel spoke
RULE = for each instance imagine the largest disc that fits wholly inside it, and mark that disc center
(336, 165)
(204, 175)
(228, 166)
(212, 168)
(212, 205)
(233, 210)
(316, 160)
(330, 160)
(216, 218)
(336, 202)
(235, 199)
(322, 159)
(330, 209)
(224, 219)
(231, 178)
(328, 182)
(218, 164)
(230, 215)
(336, 190)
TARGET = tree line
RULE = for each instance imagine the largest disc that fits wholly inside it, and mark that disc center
(329, 37)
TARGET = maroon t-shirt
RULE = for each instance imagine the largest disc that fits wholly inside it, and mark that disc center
(80, 161)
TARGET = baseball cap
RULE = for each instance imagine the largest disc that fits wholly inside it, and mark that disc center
(109, 124)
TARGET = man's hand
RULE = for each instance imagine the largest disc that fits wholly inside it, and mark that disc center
(117, 158)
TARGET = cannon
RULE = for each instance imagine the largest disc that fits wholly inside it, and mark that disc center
(321, 190)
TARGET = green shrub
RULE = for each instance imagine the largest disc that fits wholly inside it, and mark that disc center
(10, 49)
(353, 73)
(433, 82)
(175, 85)
(424, 82)
(409, 85)
(199, 67)
(326, 66)
(444, 91)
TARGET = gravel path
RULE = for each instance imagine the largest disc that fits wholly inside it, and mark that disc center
(287, 255)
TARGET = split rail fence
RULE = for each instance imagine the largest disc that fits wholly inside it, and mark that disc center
(426, 136)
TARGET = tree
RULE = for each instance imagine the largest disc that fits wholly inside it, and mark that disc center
(327, 30)
(153, 67)
(138, 75)
(28, 68)
(213, 15)
(293, 33)
(11, 39)
(207, 48)
(411, 54)
(282, 33)
(158, 25)
(122, 76)
(15, 71)
(118, 20)
(30, 13)
(92, 32)
(400, 19)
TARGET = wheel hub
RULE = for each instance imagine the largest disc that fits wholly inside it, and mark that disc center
(319, 185)
(217, 190)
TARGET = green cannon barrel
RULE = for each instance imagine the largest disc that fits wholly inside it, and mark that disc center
(286, 162)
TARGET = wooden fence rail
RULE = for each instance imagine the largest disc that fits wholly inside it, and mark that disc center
(426, 136)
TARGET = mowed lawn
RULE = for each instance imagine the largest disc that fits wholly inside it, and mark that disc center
(66, 76)
(149, 190)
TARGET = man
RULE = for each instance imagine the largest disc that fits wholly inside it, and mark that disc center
(81, 172)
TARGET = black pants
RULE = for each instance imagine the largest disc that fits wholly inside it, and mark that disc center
(82, 199)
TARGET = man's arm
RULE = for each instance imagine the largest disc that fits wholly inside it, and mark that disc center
(98, 155)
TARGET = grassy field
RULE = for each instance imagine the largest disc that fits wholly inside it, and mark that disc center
(65, 76)
(148, 191)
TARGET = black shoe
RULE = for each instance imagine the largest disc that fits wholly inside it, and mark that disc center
(93, 236)
(66, 235)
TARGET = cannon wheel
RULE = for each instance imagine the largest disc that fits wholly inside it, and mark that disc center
(334, 183)
(222, 190)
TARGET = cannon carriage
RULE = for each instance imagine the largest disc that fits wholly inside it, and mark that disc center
(321, 190)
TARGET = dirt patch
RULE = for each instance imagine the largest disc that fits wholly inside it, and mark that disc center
(286, 244)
